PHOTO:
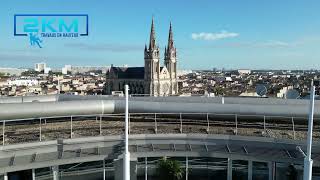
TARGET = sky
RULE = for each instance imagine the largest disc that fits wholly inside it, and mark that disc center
(208, 34)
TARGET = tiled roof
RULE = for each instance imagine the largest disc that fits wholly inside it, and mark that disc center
(128, 72)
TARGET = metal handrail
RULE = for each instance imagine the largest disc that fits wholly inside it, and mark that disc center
(169, 113)
(157, 119)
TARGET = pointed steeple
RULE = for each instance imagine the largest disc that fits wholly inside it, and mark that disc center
(145, 47)
(170, 39)
(152, 44)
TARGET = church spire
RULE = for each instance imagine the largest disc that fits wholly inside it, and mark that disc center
(170, 39)
(152, 44)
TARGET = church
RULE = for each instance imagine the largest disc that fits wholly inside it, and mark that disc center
(152, 79)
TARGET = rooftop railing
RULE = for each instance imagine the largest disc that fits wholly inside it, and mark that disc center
(73, 126)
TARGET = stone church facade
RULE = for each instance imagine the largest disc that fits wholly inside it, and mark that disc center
(152, 79)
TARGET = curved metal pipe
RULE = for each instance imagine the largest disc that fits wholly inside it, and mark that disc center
(91, 107)
(241, 109)
(49, 109)
(180, 99)
(27, 99)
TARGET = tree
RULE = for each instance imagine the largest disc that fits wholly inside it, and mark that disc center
(55, 73)
(170, 169)
(218, 90)
(30, 73)
(292, 173)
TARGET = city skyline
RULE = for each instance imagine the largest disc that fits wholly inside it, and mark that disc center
(210, 34)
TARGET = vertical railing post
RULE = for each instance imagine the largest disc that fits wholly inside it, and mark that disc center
(264, 124)
(155, 123)
(236, 121)
(208, 123)
(104, 167)
(180, 123)
(187, 167)
(271, 170)
(100, 125)
(33, 174)
(3, 133)
(229, 170)
(250, 171)
(40, 130)
(5, 176)
(146, 168)
(55, 172)
(294, 132)
(307, 169)
(71, 131)
(128, 123)
(126, 155)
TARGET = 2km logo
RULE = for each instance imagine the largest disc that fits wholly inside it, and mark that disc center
(50, 26)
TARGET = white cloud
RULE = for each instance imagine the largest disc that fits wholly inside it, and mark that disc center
(213, 36)
(274, 43)
(256, 44)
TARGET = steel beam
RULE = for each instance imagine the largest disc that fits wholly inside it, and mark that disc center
(229, 171)
(55, 172)
(249, 170)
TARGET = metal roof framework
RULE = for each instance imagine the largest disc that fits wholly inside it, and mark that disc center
(69, 151)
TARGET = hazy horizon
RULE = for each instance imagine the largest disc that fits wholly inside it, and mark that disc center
(223, 34)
